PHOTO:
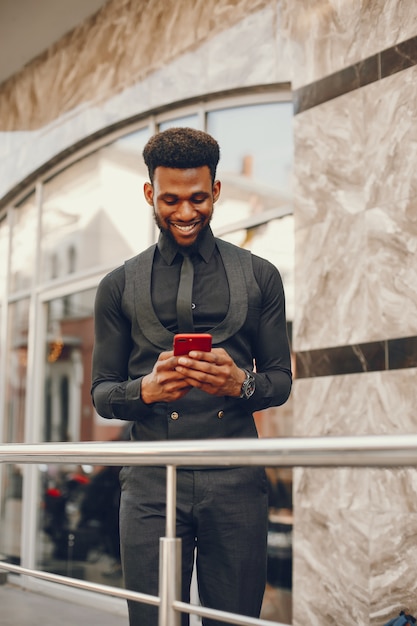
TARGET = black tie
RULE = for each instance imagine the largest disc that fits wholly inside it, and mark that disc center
(184, 297)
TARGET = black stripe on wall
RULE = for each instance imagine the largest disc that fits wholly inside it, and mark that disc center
(376, 356)
(371, 69)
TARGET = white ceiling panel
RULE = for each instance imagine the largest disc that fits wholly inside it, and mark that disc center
(29, 27)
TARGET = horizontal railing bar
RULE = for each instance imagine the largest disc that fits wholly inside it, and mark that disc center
(359, 451)
(367, 450)
(137, 596)
(125, 594)
(229, 618)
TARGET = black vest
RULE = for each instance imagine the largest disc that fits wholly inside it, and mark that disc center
(198, 415)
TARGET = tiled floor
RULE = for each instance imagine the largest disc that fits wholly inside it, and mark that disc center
(25, 608)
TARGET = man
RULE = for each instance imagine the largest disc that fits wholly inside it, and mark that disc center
(236, 297)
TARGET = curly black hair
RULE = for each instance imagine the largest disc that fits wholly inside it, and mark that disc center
(181, 148)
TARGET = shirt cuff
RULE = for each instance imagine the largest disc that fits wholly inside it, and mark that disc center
(126, 402)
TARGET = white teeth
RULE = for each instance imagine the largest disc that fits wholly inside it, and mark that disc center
(184, 228)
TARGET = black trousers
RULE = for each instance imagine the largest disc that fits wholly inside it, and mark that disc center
(222, 514)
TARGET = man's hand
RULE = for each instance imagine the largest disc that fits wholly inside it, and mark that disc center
(164, 383)
(214, 372)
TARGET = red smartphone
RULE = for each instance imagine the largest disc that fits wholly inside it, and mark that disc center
(185, 342)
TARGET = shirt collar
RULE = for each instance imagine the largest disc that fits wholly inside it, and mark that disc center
(169, 249)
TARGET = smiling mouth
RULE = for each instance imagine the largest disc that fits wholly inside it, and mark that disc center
(185, 228)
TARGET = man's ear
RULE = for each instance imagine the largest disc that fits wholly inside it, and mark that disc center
(148, 193)
(216, 190)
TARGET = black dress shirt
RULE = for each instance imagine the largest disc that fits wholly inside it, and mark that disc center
(210, 288)
(116, 388)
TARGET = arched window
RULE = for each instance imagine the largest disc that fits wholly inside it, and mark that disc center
(88, 216)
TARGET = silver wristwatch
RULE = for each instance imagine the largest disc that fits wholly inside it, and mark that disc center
(248, 386)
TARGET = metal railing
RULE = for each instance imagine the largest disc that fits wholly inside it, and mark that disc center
(358, 451)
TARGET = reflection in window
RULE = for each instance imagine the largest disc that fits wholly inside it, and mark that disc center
(69, 339)
(23, 244)
(94, 213)
(72, 259)
(78, 533)
(15, 403)
(4, 235)
(256, 141)
(17, 350)
(54, 265)
(191, 121)
(256, 159)
(274, 241)
(11, 513)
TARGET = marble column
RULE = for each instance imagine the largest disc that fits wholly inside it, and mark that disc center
(355, 326)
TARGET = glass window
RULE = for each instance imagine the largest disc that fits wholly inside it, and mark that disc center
(4, 235)
(18, 325)
(78, 521)
(25, 219)
(256, 141)
(69, 414)
(14, 431)
(191, 121)
(94, 213)
(274, 241)
(256, 159)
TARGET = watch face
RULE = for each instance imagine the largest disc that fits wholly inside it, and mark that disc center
(248, 386)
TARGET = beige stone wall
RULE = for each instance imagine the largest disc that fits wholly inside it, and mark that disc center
(356, 237)
(119, 46)
(329, 35)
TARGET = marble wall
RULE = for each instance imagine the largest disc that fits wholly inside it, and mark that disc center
(118, 46)
(356, 283)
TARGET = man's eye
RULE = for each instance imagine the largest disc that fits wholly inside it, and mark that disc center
(170, 201)
(198, 199)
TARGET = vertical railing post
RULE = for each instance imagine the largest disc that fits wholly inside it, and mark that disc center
(170, 558)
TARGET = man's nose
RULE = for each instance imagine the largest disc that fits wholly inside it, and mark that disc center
(187, 210)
